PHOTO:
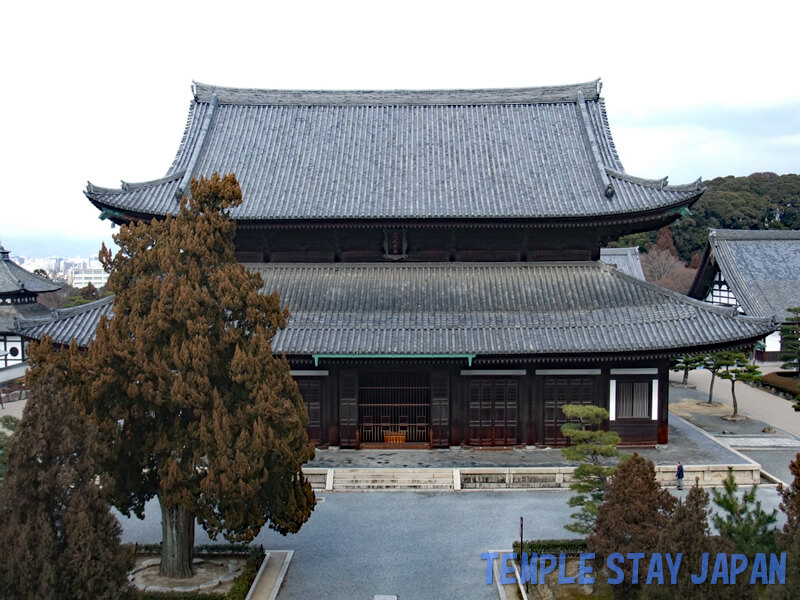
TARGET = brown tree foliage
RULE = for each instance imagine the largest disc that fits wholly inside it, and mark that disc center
(688, 533)
(789, 538)
(57, 534)
(184, 386)
(634, 512)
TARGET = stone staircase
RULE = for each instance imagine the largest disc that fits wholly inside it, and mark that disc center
(496, 478)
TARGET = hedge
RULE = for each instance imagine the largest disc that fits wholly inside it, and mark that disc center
(789, 385)
(570, 547)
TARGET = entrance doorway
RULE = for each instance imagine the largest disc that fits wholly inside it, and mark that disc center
(394, 407)
(493, 412)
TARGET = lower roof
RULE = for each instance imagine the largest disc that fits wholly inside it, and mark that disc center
(490, 309)
(468, 308)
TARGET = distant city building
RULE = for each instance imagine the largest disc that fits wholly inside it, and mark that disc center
(81, 277)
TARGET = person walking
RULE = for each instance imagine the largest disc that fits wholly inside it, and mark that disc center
(679, 475)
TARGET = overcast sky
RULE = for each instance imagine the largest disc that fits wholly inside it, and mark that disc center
(99, 91)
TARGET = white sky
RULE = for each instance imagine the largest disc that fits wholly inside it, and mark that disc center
(100, 90)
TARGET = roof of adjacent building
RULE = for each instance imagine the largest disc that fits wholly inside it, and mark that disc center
(531, 153)
(761, 268)
(14, 279)
(626, 260)
(65, 324)
(477, 308)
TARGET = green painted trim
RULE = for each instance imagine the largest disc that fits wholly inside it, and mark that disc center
(680, 210)
(108, 213)
(316, 357)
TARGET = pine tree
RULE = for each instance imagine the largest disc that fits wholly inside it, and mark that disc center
(737, 368)
(594, 448)
(636, 509)
(184, 386)
(790, 342)
(58, 537)
(686, 363)
(749, 527)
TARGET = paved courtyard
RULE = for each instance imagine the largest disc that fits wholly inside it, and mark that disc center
(418, 545)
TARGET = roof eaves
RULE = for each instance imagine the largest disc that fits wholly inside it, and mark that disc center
(658, 184)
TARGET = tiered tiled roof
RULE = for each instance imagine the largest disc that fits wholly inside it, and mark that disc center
(534, 153)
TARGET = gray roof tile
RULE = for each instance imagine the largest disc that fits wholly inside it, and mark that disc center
(762, 268)
(532, 153)
(445, 308)
(65, 324)
(14, 279)
(498, 308)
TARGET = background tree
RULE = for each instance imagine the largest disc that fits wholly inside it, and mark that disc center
(758, 201)
(84, 295)
(185, 388)
(790, 342)
(594, 449)
(686, 363)
(736, 367)
(714, 363)
(57, 534)
(748, 526)
(636, 509)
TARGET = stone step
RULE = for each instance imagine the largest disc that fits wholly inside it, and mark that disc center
(385, 485)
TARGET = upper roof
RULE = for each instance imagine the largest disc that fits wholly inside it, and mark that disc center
(530, 153)
(762, 269)
(546, 309)
(15, 280)
(65, 324)
(625, 259)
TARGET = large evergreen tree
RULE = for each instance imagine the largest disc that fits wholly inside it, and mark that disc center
(58, 537)
(636, 509)
(184, 386)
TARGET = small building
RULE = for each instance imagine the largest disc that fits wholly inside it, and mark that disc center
(440, 255)
(626, 260)
(19, 290)
(756, 272)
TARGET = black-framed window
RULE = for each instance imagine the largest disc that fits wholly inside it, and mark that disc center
(634, 399)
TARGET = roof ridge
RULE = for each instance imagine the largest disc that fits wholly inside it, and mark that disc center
(721, 310)
(754, 234)
(592, 146)
(530, 95)
(199, 147)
